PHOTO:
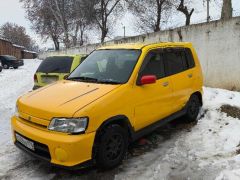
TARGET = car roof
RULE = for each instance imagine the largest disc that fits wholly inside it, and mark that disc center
(67, 55)
(63, 55)
(9, 56)
(143, 45)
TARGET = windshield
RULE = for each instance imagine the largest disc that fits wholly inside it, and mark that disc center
(107, 66)
(10, 57)
(56, 64)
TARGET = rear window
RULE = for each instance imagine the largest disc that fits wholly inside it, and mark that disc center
(56, 64)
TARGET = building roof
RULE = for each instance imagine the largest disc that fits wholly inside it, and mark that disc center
(18, 46)
(33, 52)
(4, 39)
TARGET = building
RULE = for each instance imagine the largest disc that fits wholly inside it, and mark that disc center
(17, 51)
(8, 48)
(5, 46)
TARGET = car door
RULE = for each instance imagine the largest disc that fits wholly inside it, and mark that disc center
(181, 75)
(153, 101)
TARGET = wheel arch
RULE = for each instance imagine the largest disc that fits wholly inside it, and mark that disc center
(199, 95)
(121, 120)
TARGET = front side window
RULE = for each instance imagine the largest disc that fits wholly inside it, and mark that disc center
(56, 64)
(154, 65)
(113, 66)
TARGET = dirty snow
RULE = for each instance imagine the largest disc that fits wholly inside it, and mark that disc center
(206, 150)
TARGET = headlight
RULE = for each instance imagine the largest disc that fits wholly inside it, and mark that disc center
(69, 125)
(16, 113)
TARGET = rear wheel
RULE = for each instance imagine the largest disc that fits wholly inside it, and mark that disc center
(5, 66)
(112, 146)
(193, 108)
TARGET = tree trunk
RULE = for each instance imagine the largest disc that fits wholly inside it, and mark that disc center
(184, 10)
(227, 9)
(159, 13)
(104, 34)
(56, 43)
(81, 36)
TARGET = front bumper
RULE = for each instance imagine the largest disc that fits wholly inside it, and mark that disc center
(65, 150)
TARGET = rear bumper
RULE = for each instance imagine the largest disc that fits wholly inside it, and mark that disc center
(68, 151)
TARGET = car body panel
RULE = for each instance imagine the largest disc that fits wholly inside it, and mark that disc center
(64, 149)
(44, 79)
(69, 98)
(11, 61)
(142, 105)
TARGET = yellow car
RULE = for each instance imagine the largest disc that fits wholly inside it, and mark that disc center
(55, 68)
(118, 94)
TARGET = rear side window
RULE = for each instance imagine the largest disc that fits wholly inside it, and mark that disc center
(189, 57)
(56, 64)
(174, 62)
(177, 60)
(154, 65)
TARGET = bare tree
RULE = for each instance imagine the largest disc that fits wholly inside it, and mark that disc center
(17, 35)
(82, 22)
(60, 20)
(227, 9)
(61, 10)
(103, 11)
(150, 14)
(42, 21)
(184, 9)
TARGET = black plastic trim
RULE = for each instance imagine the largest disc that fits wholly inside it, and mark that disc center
(154, 126)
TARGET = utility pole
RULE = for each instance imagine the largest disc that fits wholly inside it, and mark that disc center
(124, 31)
(208, 15)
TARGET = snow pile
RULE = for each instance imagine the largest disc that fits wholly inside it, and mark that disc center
(208, 150)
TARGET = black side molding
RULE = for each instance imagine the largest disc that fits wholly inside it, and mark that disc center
(136, 135)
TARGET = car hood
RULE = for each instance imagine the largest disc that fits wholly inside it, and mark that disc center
(62, 99)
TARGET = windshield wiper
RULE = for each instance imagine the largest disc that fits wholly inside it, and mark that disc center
(83, 78)
(109, 81)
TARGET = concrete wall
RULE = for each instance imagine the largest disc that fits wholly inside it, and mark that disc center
(217, 44)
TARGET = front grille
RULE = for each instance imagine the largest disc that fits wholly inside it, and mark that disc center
(33, 123)
(41, 150)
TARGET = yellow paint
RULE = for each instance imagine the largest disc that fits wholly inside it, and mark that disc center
(75, 63)
(143, 105)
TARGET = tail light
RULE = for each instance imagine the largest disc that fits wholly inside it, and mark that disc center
(35, 78)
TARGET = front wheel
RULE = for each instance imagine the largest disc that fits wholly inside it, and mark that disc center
(5, 66)
(15, 67)
(112, 146)
(193, 108)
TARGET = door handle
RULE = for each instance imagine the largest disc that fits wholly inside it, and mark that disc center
(190, 75)
(165, 84)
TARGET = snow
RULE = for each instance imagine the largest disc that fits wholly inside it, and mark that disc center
(207, 150)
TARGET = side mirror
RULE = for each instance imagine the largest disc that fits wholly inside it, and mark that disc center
(148, 79)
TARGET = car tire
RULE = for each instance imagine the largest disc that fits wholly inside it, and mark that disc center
(15, 67)
(5, 66)
(193, 108)
(112, 146)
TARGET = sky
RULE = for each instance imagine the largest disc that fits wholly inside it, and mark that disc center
(12, 11)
